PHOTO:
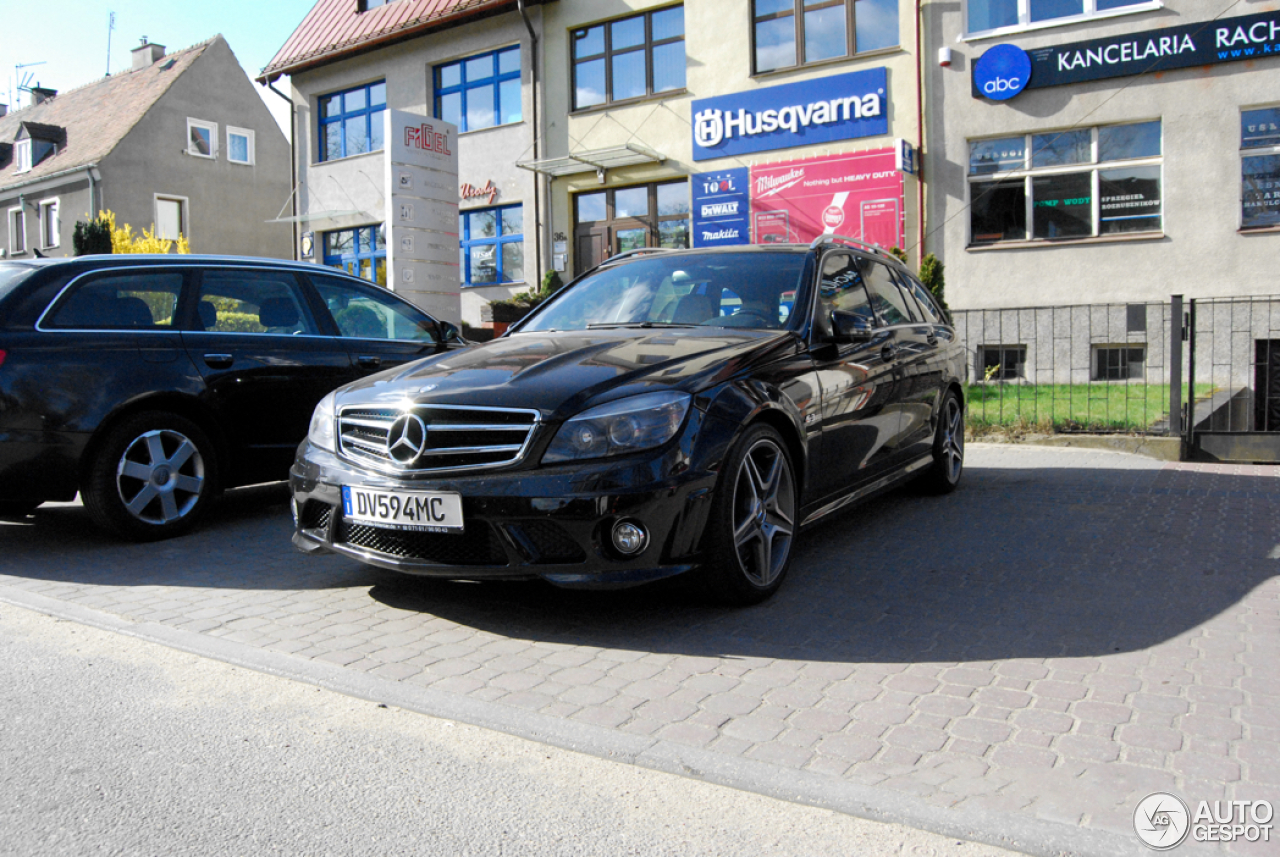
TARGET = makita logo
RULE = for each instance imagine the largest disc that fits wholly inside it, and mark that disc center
(720, 209)
(720, 234)
(712, 127)
(426, 138)
(769, 185)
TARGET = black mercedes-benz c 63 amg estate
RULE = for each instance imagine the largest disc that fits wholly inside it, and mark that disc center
(669, 412)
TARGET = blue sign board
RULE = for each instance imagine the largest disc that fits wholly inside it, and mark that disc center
(840, 107)
(720, 202)
(1002, 72)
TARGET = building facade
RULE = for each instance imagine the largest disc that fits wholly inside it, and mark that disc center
(1103, 151)
(180, 143)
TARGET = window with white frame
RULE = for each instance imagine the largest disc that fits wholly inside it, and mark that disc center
(202, 138)
(240, 145)
(17, 231)
(1260, 168)
(1079, 183)
(986, 15)
(50, 224)
(22, 156)
(171, 218)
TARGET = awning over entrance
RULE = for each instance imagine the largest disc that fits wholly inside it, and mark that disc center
(600, 160)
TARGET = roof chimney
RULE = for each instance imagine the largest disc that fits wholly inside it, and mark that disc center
(146, 54)
(40, 94)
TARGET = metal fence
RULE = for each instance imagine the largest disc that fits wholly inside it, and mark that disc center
(1083, 368)
(1235, 349)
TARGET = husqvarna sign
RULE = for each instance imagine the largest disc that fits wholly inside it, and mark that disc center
(840, 107)
(1002, 72)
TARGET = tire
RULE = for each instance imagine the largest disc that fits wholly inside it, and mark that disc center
(753, 521)
(17, 508)
(943, 476)
(153, 477)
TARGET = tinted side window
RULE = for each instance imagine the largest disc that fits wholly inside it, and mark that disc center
(931, 312)
(363, 312)
(892, 305)
(132, 300)
(252, 301)
(842, 288)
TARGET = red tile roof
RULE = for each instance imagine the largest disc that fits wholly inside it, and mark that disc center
(334, 29)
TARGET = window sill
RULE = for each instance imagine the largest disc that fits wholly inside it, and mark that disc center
(645, 99)
(1258, 230)
(516, 284)
(792, 69)
(1001, 32)
(1065, 242)
(348, 158)
(191, 154)
(242, 163)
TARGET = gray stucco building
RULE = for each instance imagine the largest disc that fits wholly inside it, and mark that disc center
(180, 141)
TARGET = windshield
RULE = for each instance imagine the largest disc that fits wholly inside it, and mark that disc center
(751, 290)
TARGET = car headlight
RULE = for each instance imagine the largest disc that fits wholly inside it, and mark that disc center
(620, 427)
(323, 420)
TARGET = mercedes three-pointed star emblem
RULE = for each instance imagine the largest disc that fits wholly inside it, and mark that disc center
(407, 439)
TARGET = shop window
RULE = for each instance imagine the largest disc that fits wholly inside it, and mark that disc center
(50, 224)
(1080, 183)
(986, 15)
(240, 146)
(362, 252)
(492, 245)
(1118, 362)
(630, 58)
(17, 231)
(479, 92)
(202, 138)
(1002, 362)
(351, 121)
(788, 33)
(1260, 168)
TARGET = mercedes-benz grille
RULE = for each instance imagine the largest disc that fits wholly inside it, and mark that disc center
(435, 437)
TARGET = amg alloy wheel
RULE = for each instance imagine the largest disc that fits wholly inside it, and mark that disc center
(152, 478)
(948, 447)
(753, 520)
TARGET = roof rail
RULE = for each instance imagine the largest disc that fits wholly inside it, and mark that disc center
(832, 238)
(636, 252)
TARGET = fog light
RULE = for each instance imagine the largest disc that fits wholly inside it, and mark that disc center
(629, 537)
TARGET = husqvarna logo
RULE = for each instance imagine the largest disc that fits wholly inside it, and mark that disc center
(708, 128)
(1002, 72)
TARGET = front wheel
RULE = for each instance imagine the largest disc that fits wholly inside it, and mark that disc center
(153, 477)
(753, 520)
(943, 476)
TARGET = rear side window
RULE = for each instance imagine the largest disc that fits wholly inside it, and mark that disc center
(131, 300)
(931, 313)
(891, 304)
(252, 301)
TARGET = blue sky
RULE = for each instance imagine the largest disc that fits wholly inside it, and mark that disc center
(70, 37)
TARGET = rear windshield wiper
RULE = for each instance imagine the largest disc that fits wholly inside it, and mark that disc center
(640, 324)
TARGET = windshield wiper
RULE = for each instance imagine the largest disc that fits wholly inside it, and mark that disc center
(640, 324)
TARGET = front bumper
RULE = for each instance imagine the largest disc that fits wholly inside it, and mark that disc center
(552, 523)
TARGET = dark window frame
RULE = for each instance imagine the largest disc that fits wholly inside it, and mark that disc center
(341, 117)
(1121, 369)
(495, 80)
(796, 13)
(609, 53)
(651, 220)
(1006, 372)
(1254, 153)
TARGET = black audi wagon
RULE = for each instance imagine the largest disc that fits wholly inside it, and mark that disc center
(669, 412)
(150, 383)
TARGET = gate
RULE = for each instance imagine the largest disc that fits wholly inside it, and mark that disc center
(1233, 346)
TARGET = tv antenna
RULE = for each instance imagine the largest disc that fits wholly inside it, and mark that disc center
(111, 25)
(23, 79)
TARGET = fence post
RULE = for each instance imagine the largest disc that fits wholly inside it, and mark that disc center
(1175, 366)
(1189, 424)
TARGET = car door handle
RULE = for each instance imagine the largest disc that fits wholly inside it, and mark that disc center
(888, 352)
(932, 338)
(218, 361)
(368, 362)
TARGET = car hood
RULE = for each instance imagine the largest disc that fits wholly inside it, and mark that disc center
(560, 373)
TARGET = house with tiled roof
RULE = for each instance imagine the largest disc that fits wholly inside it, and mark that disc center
(181, 141)
(473, 63)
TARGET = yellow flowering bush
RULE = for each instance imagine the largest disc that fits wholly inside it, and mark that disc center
(123, 240)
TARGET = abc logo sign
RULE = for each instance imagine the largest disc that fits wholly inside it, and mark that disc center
(1002, 72)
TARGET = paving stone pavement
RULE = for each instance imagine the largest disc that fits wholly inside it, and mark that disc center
(1069, 632)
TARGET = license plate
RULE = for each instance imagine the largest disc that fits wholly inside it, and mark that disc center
(423, 511)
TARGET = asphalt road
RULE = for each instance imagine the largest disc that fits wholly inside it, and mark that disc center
(113, 745)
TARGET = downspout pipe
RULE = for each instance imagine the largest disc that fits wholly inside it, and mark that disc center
(920, 70)
(293, 160)
(537, 181)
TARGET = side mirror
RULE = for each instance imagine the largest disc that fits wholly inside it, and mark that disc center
(849, 327)
(448, 331)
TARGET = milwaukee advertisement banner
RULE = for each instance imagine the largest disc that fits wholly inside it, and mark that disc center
(1249, 37)
(720, 204)
(860, 195)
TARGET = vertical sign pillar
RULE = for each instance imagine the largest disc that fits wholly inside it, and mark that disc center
(422, 213)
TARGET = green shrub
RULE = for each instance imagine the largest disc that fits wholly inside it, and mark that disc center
(91, 238)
